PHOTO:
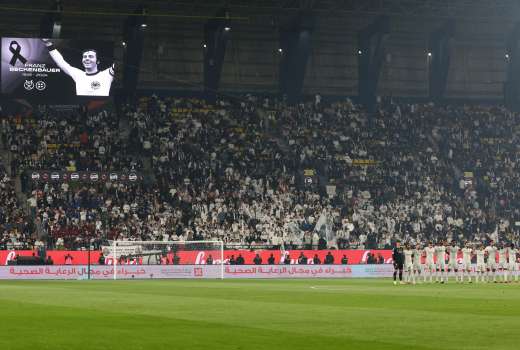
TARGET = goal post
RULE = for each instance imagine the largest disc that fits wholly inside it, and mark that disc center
(164, 253)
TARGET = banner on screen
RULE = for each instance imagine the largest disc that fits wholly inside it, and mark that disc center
(85, 176)
(194, 271)
(56, 69)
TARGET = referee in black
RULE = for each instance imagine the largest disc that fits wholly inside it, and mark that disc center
(398, 257)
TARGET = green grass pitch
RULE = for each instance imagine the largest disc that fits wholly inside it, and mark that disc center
(257, 314)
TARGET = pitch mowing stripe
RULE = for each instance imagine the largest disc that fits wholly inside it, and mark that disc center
(187, 334)
(352, 336)
(398, 302)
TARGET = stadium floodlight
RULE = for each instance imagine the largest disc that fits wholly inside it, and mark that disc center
(429, 54)
(186, 253)
(51, 22)
(142, 10)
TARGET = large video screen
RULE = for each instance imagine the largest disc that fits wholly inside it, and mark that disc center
(57, 69)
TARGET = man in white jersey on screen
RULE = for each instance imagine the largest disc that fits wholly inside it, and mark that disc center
(491, 252)
(408, 264)
(502, 262)
(467, 254)
(90, 81)
(440, 255)
(453, 265)
(430, 261)
(480, 252)
(513, 262)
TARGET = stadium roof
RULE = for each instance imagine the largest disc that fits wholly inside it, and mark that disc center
(496, 10)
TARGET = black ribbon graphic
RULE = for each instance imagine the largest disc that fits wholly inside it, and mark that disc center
(15, 49)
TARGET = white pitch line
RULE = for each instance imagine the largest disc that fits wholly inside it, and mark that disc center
(329, 289)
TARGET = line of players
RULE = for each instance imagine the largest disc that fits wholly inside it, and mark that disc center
(430, 262)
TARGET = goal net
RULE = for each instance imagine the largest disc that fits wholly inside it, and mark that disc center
(172, 259)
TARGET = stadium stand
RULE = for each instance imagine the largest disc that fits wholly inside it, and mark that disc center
(233, 171)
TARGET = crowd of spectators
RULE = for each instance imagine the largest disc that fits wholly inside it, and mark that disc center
(15, 230)
(236, 170)
(66, 215)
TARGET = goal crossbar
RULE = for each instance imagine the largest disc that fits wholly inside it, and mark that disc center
(115, 244)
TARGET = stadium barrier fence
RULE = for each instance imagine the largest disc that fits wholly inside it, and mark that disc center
(198, 257)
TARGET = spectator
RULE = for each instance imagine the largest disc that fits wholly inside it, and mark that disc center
(257, 259)
(322, 244)
(232, 260)
(68, 259)
(329, 259)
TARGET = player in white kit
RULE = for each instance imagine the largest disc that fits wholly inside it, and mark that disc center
(408, 264)
(453, 265)
(440, 255)
(467, 254)
(418, 266)
(430, 261)
(502, 262)
(491, 252)
(513, 262)
(481, 263)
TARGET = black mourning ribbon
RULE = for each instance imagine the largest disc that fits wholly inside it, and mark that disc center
(15, 49)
